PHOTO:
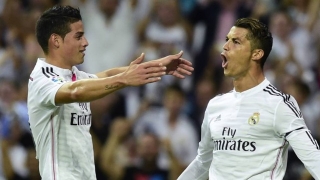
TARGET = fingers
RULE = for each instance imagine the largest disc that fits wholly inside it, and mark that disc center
(176, 56)
(183, 71)
(185, 67)
(150, 64)
(179, 55)
(176, 74)
(152, 80)
(184, 61)
(155, 75)
(155, 69)
(139, 59)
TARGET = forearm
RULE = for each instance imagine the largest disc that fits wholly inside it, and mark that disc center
(307, 149)
(111, 72)
(87, 90)
(194, 171)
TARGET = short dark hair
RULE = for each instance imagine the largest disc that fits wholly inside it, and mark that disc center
(55, 20)
(259, 36)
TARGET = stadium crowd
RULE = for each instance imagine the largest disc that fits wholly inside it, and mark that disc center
(154, 130)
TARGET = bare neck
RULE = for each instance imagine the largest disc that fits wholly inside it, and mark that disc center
(249, 81)
(57, 61)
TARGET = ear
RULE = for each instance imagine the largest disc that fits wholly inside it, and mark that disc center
(257, 54)
(55, 40)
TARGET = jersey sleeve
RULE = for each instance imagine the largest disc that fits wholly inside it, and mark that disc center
(198, 169)
(307, 150)
(288, 116)
(45, 88)
(290, 124)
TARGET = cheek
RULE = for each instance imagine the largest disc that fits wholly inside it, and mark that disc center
(69, 49)
(244, 55)
(240, 60)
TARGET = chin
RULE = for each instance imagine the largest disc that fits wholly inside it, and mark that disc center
(81, 61)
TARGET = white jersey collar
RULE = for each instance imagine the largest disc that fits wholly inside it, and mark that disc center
(253, 90)
(63, 72)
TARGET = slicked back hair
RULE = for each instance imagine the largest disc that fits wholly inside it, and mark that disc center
(55, 20)
(258, 35)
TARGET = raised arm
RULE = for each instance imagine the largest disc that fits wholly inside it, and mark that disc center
(135, 74)
(175, 64)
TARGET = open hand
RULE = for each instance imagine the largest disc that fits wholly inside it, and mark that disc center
(176, 65)
(139, 73)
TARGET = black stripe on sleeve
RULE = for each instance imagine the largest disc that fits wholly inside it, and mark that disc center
(47, 70)
(51, 70)
(43, 71)
(286, 99)
(312, 139)
(287, 134)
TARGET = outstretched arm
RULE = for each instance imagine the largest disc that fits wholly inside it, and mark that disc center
(175, 64)
(91, 89)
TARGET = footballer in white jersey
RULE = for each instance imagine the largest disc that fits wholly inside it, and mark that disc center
(245, 133)
(60, 132)
(59, 112)
(246, 136)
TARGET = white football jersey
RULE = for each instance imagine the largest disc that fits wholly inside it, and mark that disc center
(246, 136)
(61, 132)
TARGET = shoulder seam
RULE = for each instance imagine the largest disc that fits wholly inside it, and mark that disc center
(286, 99)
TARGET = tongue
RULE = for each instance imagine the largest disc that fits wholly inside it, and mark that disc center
(224, 64)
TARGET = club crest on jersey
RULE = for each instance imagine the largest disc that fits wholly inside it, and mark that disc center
(254, 119)
(57, 79)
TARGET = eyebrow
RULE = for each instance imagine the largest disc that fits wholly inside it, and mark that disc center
(236, 38)
(80, 33)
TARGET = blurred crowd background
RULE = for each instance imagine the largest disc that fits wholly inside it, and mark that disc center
(152, 132)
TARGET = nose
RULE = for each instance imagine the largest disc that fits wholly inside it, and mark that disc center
(85, 42)
(226, 46)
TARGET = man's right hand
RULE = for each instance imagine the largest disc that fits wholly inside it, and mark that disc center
(143, 73)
